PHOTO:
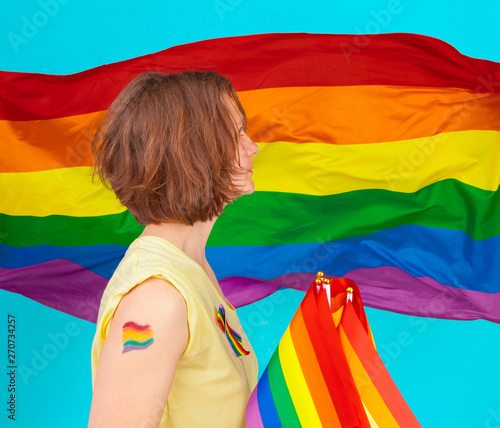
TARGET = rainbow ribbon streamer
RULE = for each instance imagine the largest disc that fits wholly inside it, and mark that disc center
(326, 371)
(232, 336)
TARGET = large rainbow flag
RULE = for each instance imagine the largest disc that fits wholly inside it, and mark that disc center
(379, 161)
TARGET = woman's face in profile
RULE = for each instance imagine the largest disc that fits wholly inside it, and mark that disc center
(247, 150)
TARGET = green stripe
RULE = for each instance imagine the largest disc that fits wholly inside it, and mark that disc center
(281, 396)
(271, 218)
(59, 230)
(137, 343)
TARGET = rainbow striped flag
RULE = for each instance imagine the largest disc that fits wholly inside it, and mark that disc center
(378, 162)
(326, 371)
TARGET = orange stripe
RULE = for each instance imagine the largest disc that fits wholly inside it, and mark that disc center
(336, 115)
(365, 114)
(367, 390)
(382, 381)
(40, 145)
(312, 372)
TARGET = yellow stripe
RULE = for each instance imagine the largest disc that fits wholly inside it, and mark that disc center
(65, 191)
(132, 335)
(471, 157)
(373, 424)
(367, 391)
(297, 385)
(338, 315)
(402, 166)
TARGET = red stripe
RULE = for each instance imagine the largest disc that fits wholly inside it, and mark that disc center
(339, 286)
(254, 62)
(340, 359)
(328, 350)
(379, 375)
(135, 326)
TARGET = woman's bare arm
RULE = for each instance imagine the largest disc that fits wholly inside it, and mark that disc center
(146, 339)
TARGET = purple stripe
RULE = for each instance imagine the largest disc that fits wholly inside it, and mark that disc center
(387, 288)
(69, 287)
(58, 284)
(254, 420)
(241, 291)
(393, 289)
(133, 347)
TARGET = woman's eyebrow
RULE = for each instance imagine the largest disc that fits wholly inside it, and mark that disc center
(243, 122)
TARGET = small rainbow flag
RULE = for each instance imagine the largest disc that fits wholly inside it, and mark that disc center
(326, 371)
(136, 336)
(232, 336)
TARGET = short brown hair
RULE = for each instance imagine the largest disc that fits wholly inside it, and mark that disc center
(168, 147)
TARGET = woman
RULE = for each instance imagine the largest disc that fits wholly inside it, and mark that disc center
(167, 351)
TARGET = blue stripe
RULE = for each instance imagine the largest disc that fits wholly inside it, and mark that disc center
(450, 257)
(100, 259)
(268, 412)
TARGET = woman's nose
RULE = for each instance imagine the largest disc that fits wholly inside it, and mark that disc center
(253, 148)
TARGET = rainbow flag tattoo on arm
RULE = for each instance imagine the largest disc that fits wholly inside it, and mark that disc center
(136, 336)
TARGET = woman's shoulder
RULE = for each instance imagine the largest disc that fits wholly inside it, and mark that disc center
(142, 298)
(153, 297)
(153, 301)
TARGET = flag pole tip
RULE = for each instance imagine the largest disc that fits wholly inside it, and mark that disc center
(349, 290)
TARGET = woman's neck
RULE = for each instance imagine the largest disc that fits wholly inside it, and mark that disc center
(192, 240)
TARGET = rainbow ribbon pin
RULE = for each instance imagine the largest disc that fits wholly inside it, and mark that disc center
(233, 337)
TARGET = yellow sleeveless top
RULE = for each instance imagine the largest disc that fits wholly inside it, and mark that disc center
(212, 384)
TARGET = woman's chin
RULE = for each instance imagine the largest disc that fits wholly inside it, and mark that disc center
(249, 188)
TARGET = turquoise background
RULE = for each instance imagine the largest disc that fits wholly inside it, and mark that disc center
(448, 371)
